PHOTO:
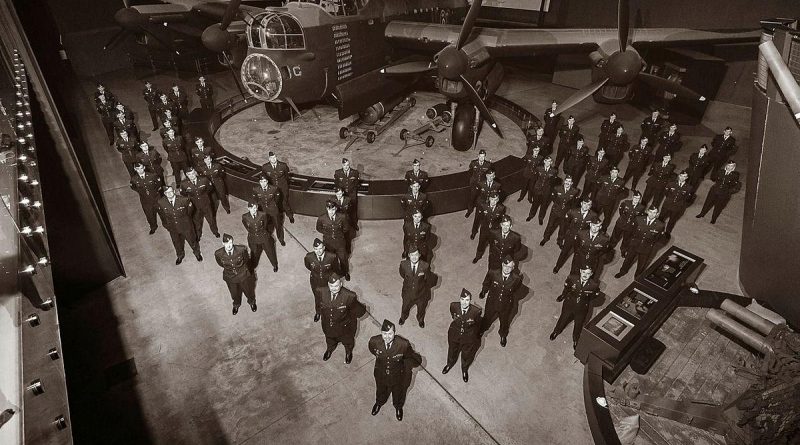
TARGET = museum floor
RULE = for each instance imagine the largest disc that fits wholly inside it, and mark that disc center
(207, 377)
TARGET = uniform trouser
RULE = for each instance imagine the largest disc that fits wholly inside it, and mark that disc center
(286, 206)
(109, 126)
(589, 188)
(424, 253)
(716, 200)
(353, 213)
(189, 236)
(347, 340)
(129, 165)
(207, 102)
(571, 312)
(467, 351)
(578, 263)
(527, 188)
(562, 155)
(495, 309)
(422, 305)
(339, 249)
(634, 172)
(473, 198)
(620, 234)
(221, 193)
(476, 223)
(397, 390)
(150, 209)
(654, 192)
(246, 286)
(552, 223)
(607, 210)
(177, 169)
(317, 295)
(567, 249)
(267, 247)
(539, 204)
(208, 213)
(483, 241)
(277, 221)
(576, 172)
(642, 259)
(153, 117)
(670, 217)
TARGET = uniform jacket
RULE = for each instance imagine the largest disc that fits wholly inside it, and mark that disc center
(199, 192)
(500, 290)
(477, 171)
(576, 222)
(608, 191)
(257, 228)
(268, 198)
(149, 187)
(616, 146)
(174, 148)
(339, 316)
(544, 143)
(563, 199)
(660, 174)
(645, 237)
(608, 129)
(698, 166)
(567, 137)
(343, 205)
(651, 128)
(177, 217)
(278, 175)
(485, 189)
(544, 181)
(677, 196)
(333, 232)
(639, 157)
(722, 148)
(595, 169)
(578, 157)
(465, 328)
(198, 155)
(390, 363)
(727, 184)
(128, 148)
(421, 177)
(348, 182)
(215, 173)
(164, 106)
(532, 164)
(320, 270)
(181, 99)
(236, 266)
(151, 160)
(490, 218)
(204, 91)
(499, 247)
(417, 236)
(107, 110)
(174, 122)
(415, 286)
(578, 294)
(151, 97)
(628, 215)
(589, 252)
(670, 143)
(411, 204)
(551, 121)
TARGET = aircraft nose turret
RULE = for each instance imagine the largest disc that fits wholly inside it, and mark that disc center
(261, 77)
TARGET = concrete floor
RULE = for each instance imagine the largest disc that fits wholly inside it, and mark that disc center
(207, 377)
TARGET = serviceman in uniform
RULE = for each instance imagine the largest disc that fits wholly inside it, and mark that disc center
(551, 120)
(174, 120)
(678, 194)
(127, 147)
(726, 184)
(415, 174)
(199, 151)
(502, 243)
(595, 169)
(108, 112)
(235, 263)
(124, 120)
(199, 189)
(533, 160)
(575, 165)
(542, 189)
(148, 185)
(608, 129)
(638, 161)
(477, 171)
(176, 216)
(579, 291)
(164, 104)
(591, 250)
(176, 155)
(610, 190)
(464, 334)
(216, 174)
(151, 159)
(348, 179)
(339, 309)
(259, 238)
(178, 96)
(659, 176)
(205, 92)
(567, 138)
(322, 265)
(486, 187)
(501, 285)
(166, 126)
(334, 228)
(268, 197)
(103, 91)
(699, 164)
(652, 125)
(343, 204)
(150, 95)
(564, 197)
(489, 215)
(617, 146)
(629, 211)
(647, 231)
(278, 174)
(538, 139)
(669, 142)
(723, 147)
(416, 233)
(576, 221)
(413, 200)
(415, 291)
(391, 351)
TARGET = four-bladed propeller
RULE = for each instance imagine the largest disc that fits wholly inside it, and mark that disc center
(132, 21)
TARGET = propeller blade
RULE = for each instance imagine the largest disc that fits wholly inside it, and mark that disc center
(127, 3)
(233, 73)
(230, 13)
(469, 23)
(623, 24)
(116, 39)
(670, 86)
(158, 39)
(419, 67)
(580, 95)
(478, 102)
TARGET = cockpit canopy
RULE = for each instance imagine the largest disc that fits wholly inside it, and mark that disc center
(275, 30)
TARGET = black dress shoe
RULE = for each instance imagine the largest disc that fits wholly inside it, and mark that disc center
(375, 409)
(555, 270)
(399, 414)
(528, 218)
(574, 344)
(553, 336)
(713, 221)
(199, 257)
(619, 275)
(283, 243)
(465, 375)
(216, 235)
(467, 214)
(476, 259)
(446, 369)
(316, 318)
(326, 356)
(291, 219)
(402, 321)
(421, 323)
(179, 260)
(347, 276)
(253, 307)
(560, 298)
(543, 242)
(275, 269)
(235, 310)
(541, 222)
(228, 211)
(698, 216)
(153, 230)
(503, 342)
(348, 357)
(520, 198)
(471, 236)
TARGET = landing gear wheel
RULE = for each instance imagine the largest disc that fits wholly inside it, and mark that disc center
(344, 132)
(403, 134)
(429, 141)
(371, 135)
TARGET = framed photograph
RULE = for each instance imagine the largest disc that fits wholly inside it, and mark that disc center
(615, 326)
(636, 303)
(671, 270)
